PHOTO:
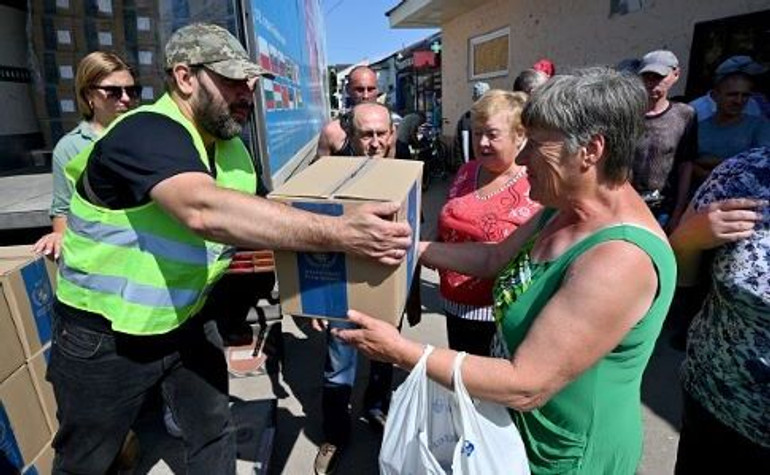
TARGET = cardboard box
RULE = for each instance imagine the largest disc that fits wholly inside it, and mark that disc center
(37, 368)
(151, 91)
(57, 7)
(139, 4)
(28, 285)
(52, 122)
(57, 33)
(43, 463)
(102, 8)
(105, 34)
(328, 284)
(152, 87)
(149, 61)
(60, 67)
(142, 26)
(23, 427)
(57, 102)
(11, 351)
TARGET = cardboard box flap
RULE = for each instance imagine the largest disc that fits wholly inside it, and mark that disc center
(13, 257)
(327, 284)
(377, 182)
(23, 251)
(9, 264)
(322, 179)
(352, 178)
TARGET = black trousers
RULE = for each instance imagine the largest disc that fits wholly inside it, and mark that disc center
(339, 378)
(473, 337)
(234, 296)
(707, 446)
(101, 380)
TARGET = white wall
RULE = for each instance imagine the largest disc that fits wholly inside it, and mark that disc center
(572, 34)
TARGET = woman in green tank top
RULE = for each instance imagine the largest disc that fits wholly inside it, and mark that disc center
(581, 290)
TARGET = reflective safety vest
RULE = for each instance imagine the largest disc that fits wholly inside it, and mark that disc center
(139, 267)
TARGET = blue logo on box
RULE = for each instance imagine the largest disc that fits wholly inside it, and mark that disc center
(40, 294)
(323, 276)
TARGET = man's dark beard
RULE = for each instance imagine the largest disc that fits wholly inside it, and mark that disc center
(215, 119)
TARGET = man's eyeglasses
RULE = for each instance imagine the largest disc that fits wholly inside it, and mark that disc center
(116, 92)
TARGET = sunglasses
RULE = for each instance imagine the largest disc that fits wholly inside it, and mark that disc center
(116, 92)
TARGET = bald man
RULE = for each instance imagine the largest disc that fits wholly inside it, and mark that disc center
(361, 87)
(370, 130)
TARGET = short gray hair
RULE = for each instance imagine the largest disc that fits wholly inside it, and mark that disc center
(591, 102)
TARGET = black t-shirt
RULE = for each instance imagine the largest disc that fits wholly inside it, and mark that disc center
(137, 154)
(669, 139)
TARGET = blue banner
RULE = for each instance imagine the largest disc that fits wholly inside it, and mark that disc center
(290, 44)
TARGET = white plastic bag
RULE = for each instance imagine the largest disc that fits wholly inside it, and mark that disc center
(434, 431)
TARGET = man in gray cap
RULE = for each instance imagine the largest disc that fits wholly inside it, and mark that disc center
(159, 200)
(705, 106)
(664, 154)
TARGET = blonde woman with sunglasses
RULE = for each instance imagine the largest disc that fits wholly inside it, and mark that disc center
(105, 88)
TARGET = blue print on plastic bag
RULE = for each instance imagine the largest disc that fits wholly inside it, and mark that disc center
(468, 448)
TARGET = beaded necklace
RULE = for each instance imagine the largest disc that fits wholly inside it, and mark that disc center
(513, 179)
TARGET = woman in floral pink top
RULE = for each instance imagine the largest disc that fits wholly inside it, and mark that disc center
(488, 200)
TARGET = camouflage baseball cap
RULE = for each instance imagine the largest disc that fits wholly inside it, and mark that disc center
(204, 44)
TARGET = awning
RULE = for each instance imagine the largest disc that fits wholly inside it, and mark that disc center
(429, 13)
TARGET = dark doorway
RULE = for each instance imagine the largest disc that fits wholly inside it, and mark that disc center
(716, 40)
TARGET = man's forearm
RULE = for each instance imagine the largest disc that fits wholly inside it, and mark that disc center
(683, 190)
(687, 258)
(256, 223)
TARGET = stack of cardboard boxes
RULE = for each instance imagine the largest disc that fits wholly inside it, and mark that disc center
(143, 45)
(65, 31)
(27, 404)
